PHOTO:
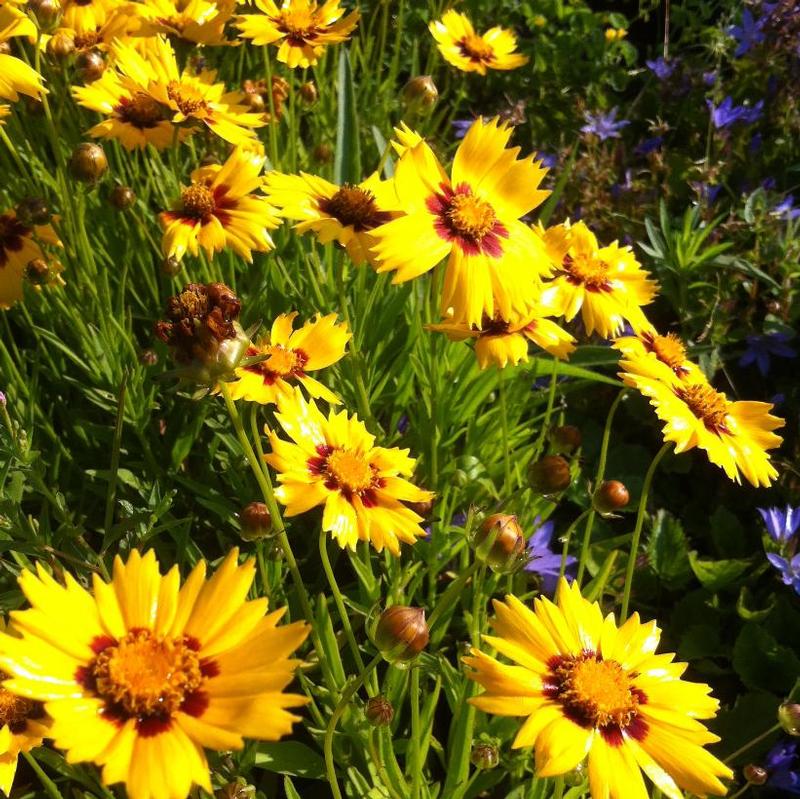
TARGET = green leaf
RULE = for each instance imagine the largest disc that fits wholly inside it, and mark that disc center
(717, 574)
(762, 663)
(728, 533)
(290, 790)
(290, 757)
(668, 551)
(347, 162)
(746, 613)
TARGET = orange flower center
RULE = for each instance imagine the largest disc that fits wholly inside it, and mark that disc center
(16, 710)
(588, 271)
(284, 361)
(708, 405)
(299, 25)
(476, 49)
(597, 693)
(147, 675)
(198, 201)
(350, 469)
(470, 216)
(352, 205)
(188, 100)
(141, 111)
(668, 349)
(83, 41)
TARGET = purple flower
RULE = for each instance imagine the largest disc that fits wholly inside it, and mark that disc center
(661, 67)
(786, 209)
(726, 113)
(783, 766)
(789, 569)
(461, 126)
(649, 145)
(706, 192)
(768, 183)
(710, 77)
(403, 424)
(760, 348)
(748, 34)
(543, 561)
(459, 519)
(755, 143)
(781, 525)
(548, 159)
(604, 126)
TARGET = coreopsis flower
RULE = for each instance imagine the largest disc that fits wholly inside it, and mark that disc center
(301, 29)
(501, 341)
(14, 21)
(95, 24)
(199, 21)
(588, 687)
(16, 78)
(462, 47)
(320, 342)
(143, 674)
(334, 462)
(20, 245)
(606, 285)
(736, 436)
(347, 214)
(220, 209)
(471, 218)
(660, 356)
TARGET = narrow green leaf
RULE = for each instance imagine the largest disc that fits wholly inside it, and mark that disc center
(347, 162)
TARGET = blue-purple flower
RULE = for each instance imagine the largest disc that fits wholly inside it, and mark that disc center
(789, 569)
(706, 192)
(727, 113)
(781, 524)
(661, 67)
(461, 126)
(648, 146)
(604, 126)
(543, 561)
(748, 34)
(761, 348)
(548, 159)
(786, 208)
(710, 77)
(783, 766)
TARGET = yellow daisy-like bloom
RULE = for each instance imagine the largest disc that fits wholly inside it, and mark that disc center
(15, 22)
(591, 688)
(334, 462)
(219, 210)
(198, 21)
(663, 357)
(501, 341)
(94, 25)
(19, 245)
(734, 435)
(606, 284)
(23, 725)
(292, 354)
(300, 28)
(473, 52)
(86, 16)
(16, 78)
(347, 214)
(142, 675)
(473, 218)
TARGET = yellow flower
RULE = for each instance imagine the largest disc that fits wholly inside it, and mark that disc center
(19, 245)
(15, 22)
(501, 341)
(86, 16)
(292, 354)
(94, 25)
(472, 52)
(615, 34)
(347, 214)
(494, 260)
(16, 78)
(334, 462)
(5, 111)
(142, 675)
(734, 435)
(198, 21)
(590, 688)
(219, 210)
(300, 28)
(23, 725)
(606, 284)
(662, 357)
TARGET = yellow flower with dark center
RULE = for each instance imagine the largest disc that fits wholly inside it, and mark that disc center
(198, 21)
(300, 28)
(606, 285)
(334, 462)
(95, 24)
(663, 357)
(346, 214)
(736, 436)
(502, 341)
(472, 218)
(219, 210)
(19, 245)
(462, 47)
(589, 688)
(292, 354)
(141, 676)
(85, 16)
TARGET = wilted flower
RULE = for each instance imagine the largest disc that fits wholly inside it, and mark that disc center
(543, 560)
(760, 348)
(604, 126)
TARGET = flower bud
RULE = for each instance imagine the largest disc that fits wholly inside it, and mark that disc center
(420, 94)
(148, 357)
(549, 475)
(755, 775)
(610, 495)
(421, 508)
(379, 711)
(61, 46)
(565, 439)
(484, 756)
(499, 542)
(255, 521)
(88, 162)
(239, 789)
(45, 11)
(308, 93)
(789, 717)
(89, 66)
(401, 633)
(122, 197)
(37, 272)
(33, 211)
(170, 266)
(322, 153)
(254, 102)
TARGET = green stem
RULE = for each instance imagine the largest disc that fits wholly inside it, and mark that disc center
(551, 401)
(504, 419)
(49, 786)
(558, 791)
(740, 792)
(751, 743)
(416, 732)
(453, 589)
(637, 532)
(567, 538)
(377, 760)
(338, 712)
